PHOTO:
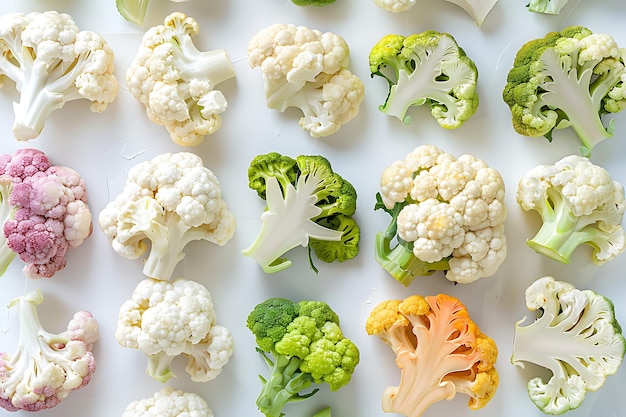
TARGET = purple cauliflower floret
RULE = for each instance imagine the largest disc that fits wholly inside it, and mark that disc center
(46, 367)
(49, 212)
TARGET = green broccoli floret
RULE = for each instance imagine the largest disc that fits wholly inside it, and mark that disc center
(308, 204)
(546, 6)
(579, 204)
(302, 344)
(316, 3)
(567, 79)
(426, 68)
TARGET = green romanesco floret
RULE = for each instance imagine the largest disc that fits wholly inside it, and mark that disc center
(308, 204)
(576, 337)
(579, 204)
(571, 79)
(427, 68)
(546, 6)
(302, 344)
(447, 214)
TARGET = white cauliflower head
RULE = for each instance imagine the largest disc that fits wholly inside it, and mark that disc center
(168, 201)
(448, 211)
(52, 62)
(307, 69)
(176, 81)
(169, 402)
(579, 203)
(165, 319)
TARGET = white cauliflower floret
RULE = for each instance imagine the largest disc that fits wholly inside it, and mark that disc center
(448, 213)
(435, 229)
(52, 62)
(176, 81)
(579, 204)
(307, 69)
(168, 201)
(166, 319)
(395, 6)
(169, 402)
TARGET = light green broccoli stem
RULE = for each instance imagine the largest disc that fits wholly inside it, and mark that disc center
(283, 385)
(401, 263)
(159, 366)
(6, 213)
(562, 232)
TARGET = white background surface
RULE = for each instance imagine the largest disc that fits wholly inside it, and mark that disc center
(102, 147)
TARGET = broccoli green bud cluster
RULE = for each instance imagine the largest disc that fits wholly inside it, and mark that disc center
(302, 344)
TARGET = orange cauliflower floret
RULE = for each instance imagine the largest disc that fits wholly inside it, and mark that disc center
(439, 350)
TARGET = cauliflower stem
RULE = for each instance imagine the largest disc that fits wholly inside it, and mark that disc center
(6, 212)
(46, 366)
(562, 232)
(400, 261)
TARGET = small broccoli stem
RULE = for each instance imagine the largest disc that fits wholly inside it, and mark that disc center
(401, 263)
(159, 366)
(283, 385)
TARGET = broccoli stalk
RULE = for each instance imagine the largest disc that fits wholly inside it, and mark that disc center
(307, 346)
(284, 385)
(562, 232)
(307, 205)
(400, 261)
